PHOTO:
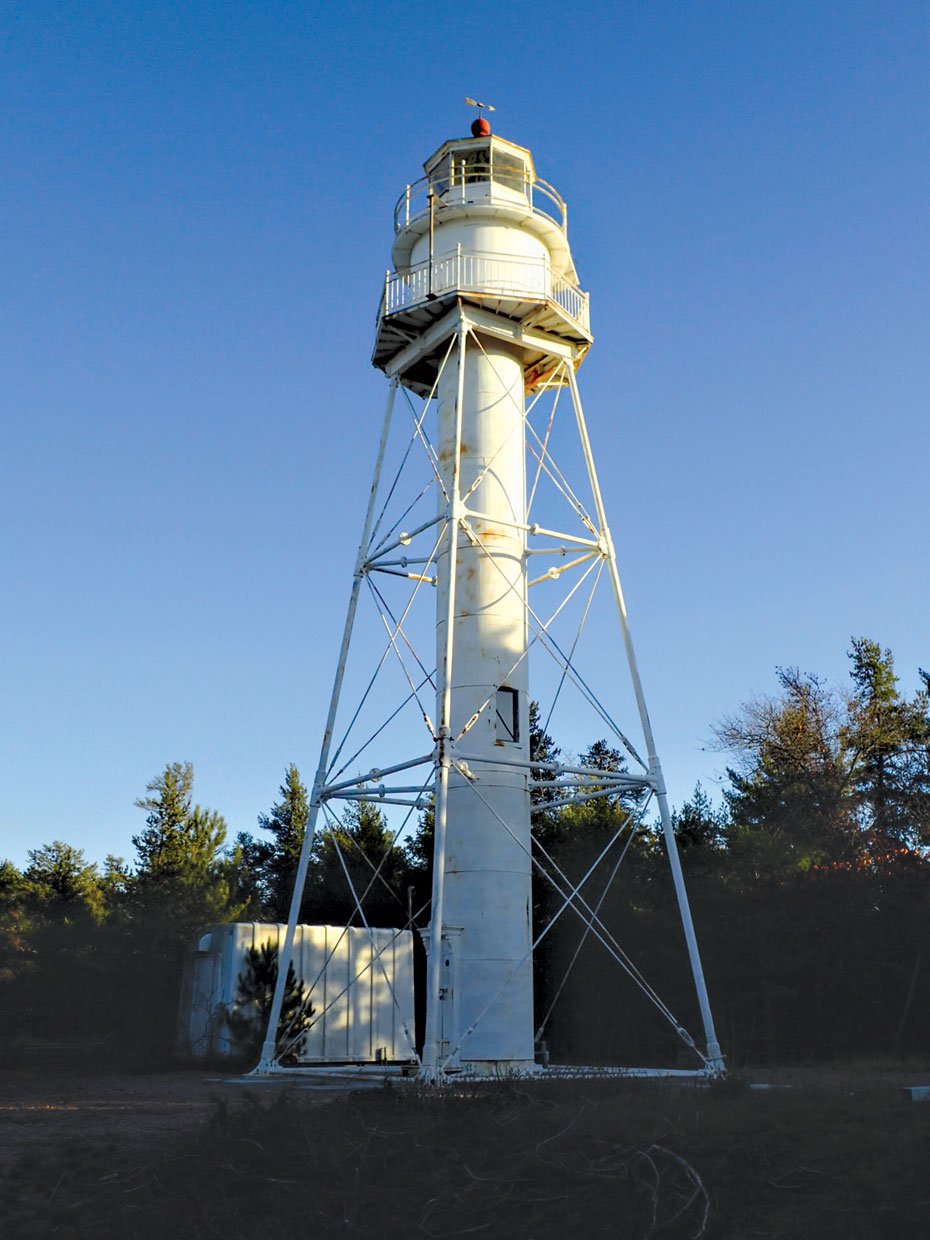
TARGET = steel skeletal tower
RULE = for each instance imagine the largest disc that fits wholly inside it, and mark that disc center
(481, 326)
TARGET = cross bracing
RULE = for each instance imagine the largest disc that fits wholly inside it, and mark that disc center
(388, 741)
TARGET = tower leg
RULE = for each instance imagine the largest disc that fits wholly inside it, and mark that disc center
(714, 1057)
(267, 1061)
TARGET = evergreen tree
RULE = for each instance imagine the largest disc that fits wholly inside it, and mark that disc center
(418, 857)
(248, 1018)
(115, 882)
(603, 757)
(608, 812)
(55, 919)
(252, 858)
(184, 880)
(183, 875)
(15, 923)
(275, 862)
(821, 779)
(366, 845)
(542, 749)
(887, 740)
(419, 847)
(698, 824)
(60, 878)
(179, 839)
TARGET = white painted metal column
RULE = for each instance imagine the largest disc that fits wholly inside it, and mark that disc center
(267, 1061)
(482, 586)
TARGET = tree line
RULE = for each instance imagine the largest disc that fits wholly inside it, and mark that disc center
(809, 886)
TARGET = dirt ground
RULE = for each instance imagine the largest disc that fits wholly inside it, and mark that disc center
(89, 1155)
(46, 1106)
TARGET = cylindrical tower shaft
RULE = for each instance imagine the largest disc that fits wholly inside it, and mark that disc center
(487, 914)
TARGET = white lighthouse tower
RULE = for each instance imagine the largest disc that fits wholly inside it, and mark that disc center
(481, 320)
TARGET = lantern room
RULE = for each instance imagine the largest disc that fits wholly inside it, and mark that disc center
(483, 227)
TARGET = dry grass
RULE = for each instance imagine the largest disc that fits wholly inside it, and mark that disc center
(850, 1159)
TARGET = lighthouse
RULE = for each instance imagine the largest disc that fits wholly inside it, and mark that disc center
(482, 317)
(486, 239)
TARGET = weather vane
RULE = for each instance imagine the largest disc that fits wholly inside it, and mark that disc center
(480, 127)
(476, 103)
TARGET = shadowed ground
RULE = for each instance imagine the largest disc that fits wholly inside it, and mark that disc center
(837, 1152)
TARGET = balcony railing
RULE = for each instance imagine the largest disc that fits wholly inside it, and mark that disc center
(490, 274)
(464, 183)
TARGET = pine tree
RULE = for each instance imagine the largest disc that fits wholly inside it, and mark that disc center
(64, 883)
(418, 856)
(275, 861)
(248, 1019)
(698, 824)
(363, 845)
(15, 924)
(180, 839)
(887, 741)
(183, 874)
(542, 749)
(184, 879)
(603, 813)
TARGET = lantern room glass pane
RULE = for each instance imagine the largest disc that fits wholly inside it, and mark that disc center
(509, 170)
(439, 176)
(474, 165)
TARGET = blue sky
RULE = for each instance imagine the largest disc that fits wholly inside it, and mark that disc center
(196, 204)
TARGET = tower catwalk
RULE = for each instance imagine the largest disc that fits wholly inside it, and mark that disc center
(483, 321)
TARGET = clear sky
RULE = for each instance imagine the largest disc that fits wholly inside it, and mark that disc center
(196, 219)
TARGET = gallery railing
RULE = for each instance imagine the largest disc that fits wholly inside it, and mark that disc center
(464, 271)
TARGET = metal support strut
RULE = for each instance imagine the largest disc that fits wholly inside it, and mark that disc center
(714, 1056)
(431, 1068)
(267, 1061)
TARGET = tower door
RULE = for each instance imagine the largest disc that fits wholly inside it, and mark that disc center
(447, 1025)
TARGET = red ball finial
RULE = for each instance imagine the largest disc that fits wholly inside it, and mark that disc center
(481, 127)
